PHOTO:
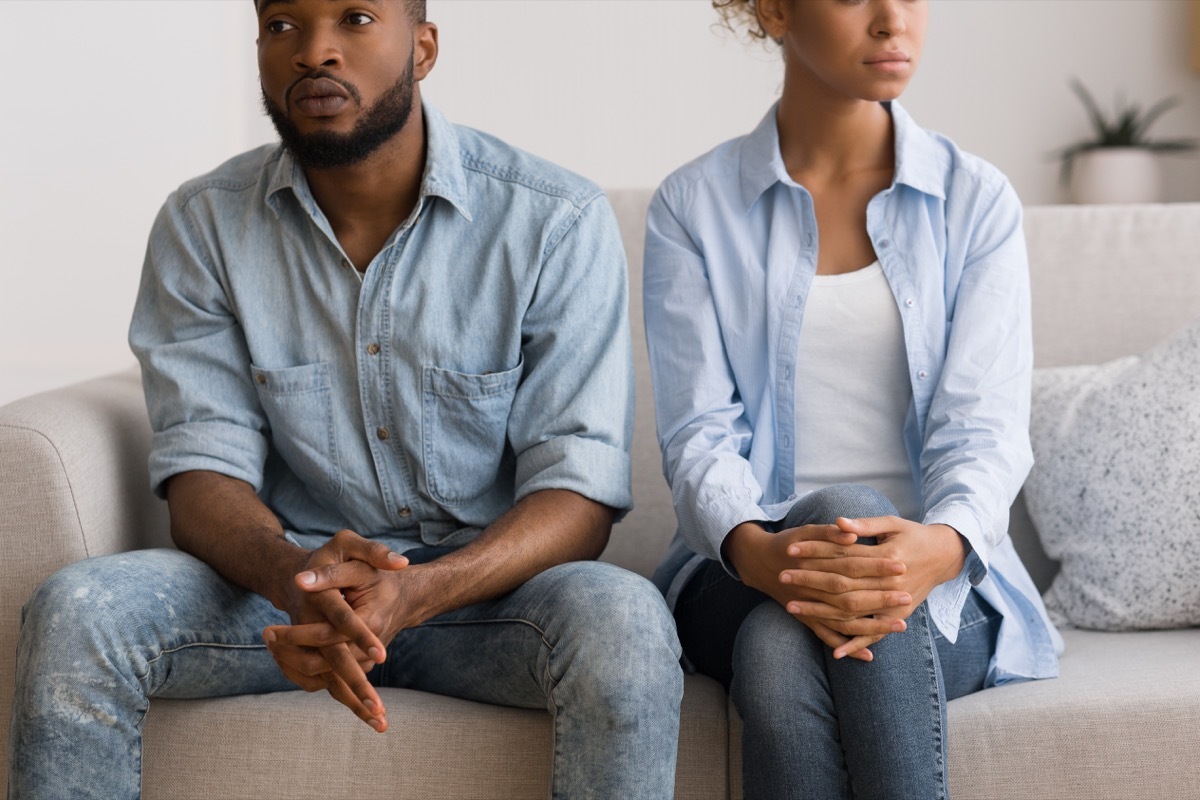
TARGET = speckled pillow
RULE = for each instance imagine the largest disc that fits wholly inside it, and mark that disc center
(1115, 492)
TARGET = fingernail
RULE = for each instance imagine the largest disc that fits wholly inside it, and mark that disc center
(839, 653)
(396, 558)
(374, 654)
(369, 704)
(307, 578)
(376, 724)
(898, 626)
(785, 578)
(269, 637)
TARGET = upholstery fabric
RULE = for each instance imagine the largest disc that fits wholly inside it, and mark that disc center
(1116, 487)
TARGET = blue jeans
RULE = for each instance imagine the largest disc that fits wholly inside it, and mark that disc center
(815, 727)
(589, 642)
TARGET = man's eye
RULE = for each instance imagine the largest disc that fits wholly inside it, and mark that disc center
(278, 26)
(358, 18)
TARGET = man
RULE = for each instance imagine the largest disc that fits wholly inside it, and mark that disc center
(388, 371)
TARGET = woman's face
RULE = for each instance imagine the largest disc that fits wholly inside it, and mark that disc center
(860, 49)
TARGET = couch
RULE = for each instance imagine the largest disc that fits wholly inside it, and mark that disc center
(1122, 721)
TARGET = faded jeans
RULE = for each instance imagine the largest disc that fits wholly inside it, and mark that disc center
(589, 642)
(816, 727)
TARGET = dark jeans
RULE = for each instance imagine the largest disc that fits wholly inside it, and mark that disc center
(824, 728)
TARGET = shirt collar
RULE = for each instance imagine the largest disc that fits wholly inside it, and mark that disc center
(920, 160)
(443, 177)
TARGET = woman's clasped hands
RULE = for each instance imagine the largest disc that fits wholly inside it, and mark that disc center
(849, 592)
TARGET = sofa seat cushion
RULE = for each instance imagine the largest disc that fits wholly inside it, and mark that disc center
(1115, 491)
(1121, 721)
(297, 746)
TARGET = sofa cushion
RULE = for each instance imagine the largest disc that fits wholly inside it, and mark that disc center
(1115, 492)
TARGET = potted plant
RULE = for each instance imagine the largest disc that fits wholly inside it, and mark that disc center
(1119, 163)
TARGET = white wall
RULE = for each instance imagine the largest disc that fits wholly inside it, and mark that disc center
(110, 104)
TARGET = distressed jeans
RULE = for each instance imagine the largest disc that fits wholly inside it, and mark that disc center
(589, 642)
(816, 727)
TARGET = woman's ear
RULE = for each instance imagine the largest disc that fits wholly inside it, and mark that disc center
(774, 16)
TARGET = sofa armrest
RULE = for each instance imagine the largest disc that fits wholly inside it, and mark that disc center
(73, 477)
(73, 484)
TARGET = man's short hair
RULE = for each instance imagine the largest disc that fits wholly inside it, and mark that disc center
(416, 10)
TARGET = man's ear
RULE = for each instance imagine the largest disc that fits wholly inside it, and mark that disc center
(425, 49)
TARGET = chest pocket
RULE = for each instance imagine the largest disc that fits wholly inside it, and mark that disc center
(465, 424)
(298, 402)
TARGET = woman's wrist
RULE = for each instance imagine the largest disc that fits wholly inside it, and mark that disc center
(741, 548)
(956, 549)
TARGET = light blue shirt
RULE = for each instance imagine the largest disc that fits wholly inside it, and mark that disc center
(731, 251)
(485, 355)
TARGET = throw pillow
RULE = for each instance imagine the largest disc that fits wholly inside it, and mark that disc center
(1115, 490)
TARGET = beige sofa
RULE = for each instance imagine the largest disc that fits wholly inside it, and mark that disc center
(1123, 721)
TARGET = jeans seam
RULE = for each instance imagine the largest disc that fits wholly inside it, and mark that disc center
(150, 662)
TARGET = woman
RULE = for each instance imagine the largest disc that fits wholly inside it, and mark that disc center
(838, 316)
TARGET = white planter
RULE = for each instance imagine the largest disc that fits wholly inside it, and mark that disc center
(1116, 175)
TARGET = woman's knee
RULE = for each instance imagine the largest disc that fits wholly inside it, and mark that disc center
(777, 662)
(851, 500)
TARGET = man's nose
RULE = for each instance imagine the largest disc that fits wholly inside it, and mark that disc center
(317, 48)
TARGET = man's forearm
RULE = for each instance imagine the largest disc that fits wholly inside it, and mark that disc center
(221, 521)
(543, 530)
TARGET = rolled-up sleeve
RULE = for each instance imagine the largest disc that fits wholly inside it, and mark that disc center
(571, 424)
(701, 423)
(195, 365)
(977, 451)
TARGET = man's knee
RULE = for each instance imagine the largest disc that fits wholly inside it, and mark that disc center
(618, 637)
(100, 600)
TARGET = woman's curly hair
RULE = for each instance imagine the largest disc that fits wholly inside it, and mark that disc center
(737, 14)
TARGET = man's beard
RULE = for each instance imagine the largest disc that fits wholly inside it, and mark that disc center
(327, 149)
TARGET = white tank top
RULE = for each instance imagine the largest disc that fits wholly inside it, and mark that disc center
(852, 389)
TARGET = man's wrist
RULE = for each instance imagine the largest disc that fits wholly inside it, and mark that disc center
(281, 587)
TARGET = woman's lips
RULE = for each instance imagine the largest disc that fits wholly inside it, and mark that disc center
(892, 61)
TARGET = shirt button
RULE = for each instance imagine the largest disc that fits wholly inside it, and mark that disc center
(808, 240)
(262, 379)
(345, 264)
(784, 440)
(910, 302)
(382, 433)
(373, 349)
(884, 243)
(922, 374)
(405, 511)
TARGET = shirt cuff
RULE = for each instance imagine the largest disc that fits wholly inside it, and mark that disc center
(220, 447)
(594, 469)
(946, 602)
(963, 520)
(712, 521)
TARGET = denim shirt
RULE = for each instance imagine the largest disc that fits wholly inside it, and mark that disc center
(731, 251)
(485, 355)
